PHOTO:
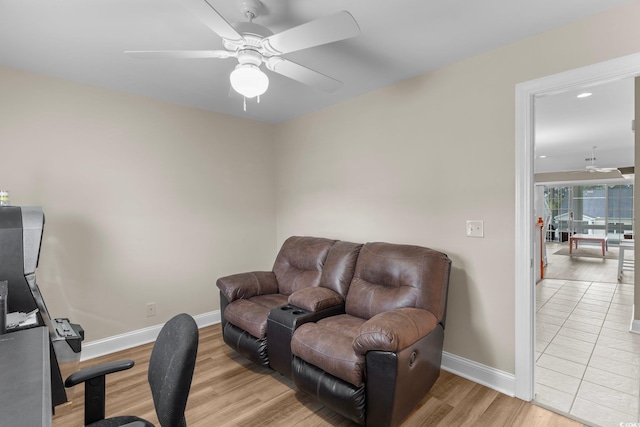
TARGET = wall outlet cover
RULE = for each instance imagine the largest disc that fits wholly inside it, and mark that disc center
(151, 309)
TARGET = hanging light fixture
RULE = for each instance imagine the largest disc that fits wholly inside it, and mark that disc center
(248, 80)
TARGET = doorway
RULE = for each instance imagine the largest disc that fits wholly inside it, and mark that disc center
(625, 67)
(582, 311)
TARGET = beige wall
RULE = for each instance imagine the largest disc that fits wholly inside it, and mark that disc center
(147, 201)
(412, 162)
(144, 201)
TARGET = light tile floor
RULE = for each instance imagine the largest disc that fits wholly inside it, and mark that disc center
(587, 361)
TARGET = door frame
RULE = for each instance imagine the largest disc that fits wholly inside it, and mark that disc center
(591, 75)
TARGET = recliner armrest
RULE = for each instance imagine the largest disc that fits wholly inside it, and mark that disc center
(315, 298)
(394, 330)
(97, 371)
(247, 285)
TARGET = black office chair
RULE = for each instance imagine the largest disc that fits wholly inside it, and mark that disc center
(171, 366)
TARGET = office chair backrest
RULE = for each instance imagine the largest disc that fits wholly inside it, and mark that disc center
(171, 366)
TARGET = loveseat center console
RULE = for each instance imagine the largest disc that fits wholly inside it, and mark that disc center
(281, 324)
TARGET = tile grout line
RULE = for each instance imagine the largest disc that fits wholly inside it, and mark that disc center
(594, 345)
(606, 313)
(545, 303)
(593, 292)
(610, 302)
(560, 328)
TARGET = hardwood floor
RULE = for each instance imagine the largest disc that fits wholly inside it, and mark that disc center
(229, 390)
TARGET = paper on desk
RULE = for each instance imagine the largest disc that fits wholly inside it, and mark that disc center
(19, 318)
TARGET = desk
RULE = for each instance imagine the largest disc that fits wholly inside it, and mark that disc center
(588, 238)
(25, 378)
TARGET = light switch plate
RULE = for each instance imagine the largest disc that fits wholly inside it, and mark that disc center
(475, 228)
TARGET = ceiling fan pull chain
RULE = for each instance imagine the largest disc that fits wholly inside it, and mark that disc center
(244, 103)
(258, 99)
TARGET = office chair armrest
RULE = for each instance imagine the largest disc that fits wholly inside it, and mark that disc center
(87, 374)
(94, 380)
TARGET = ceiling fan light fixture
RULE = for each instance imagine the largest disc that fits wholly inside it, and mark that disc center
(248, 80)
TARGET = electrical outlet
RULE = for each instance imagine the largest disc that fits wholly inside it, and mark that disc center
(475, 228)
(151, 309)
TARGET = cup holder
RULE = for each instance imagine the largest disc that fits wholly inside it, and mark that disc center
(297, 312)
(286, 307)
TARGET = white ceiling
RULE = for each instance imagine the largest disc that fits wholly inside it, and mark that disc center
(84, 40)
(567, 128)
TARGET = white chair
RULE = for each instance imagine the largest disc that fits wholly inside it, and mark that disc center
(625, 264)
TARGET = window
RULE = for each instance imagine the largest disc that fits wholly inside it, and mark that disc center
(619, 211)
(589, 209)
(558, 203)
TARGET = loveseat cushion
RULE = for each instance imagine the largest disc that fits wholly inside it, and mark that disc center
(339, 266)
(299, 263)
(394, 330)
(328, 345)
(315, 298)
(390, 276)
(251, 314)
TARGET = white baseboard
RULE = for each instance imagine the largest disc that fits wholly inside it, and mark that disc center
(131, 339)
(490, 377)
(635, 324)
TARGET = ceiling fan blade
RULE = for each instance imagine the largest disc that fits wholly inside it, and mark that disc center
(329, 29)
(303, 74)
(179, 54)
(627, 170)
(206, 13)
(593, 168)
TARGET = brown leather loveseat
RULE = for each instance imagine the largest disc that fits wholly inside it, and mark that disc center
(309, 281)
(373, 357)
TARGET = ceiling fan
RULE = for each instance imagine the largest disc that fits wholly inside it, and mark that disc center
(592, 166)
(253, 45)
